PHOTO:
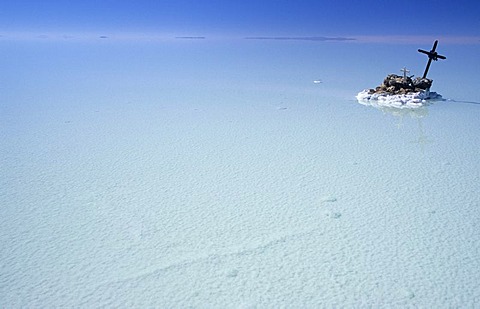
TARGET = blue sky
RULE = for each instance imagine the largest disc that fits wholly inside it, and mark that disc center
(246, 17)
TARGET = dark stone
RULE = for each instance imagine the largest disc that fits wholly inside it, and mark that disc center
(422, 83)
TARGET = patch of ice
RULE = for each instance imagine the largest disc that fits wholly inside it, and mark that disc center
(409, 100)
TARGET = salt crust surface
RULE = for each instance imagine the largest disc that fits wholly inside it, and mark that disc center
(409, 100)
(312, 204)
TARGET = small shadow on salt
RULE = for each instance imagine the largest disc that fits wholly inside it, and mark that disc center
(329, 199)
(334, 215)
(232, 273)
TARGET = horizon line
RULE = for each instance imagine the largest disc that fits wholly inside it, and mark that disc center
(170, 35)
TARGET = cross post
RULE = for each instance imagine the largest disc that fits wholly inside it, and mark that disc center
(432, 55)
(405, 71)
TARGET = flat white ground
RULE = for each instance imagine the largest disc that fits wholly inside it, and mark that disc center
(202, 195)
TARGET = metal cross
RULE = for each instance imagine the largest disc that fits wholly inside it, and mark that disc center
(405, 71)
(432, 55)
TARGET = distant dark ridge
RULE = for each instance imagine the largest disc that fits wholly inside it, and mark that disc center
(301, 38)
(190, 37)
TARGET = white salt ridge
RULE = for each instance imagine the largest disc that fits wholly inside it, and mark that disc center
(410, 100)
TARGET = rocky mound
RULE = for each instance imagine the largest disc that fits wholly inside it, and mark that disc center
(395, 84)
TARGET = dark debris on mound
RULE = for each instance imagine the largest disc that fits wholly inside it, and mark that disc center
(395, 84)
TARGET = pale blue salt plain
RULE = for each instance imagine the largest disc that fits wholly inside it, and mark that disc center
(218, 174)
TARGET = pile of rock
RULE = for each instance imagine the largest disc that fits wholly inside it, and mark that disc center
(395, 84)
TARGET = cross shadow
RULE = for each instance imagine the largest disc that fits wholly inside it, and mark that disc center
(465, 102)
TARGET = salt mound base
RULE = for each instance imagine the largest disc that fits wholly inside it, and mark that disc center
(408, 100)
